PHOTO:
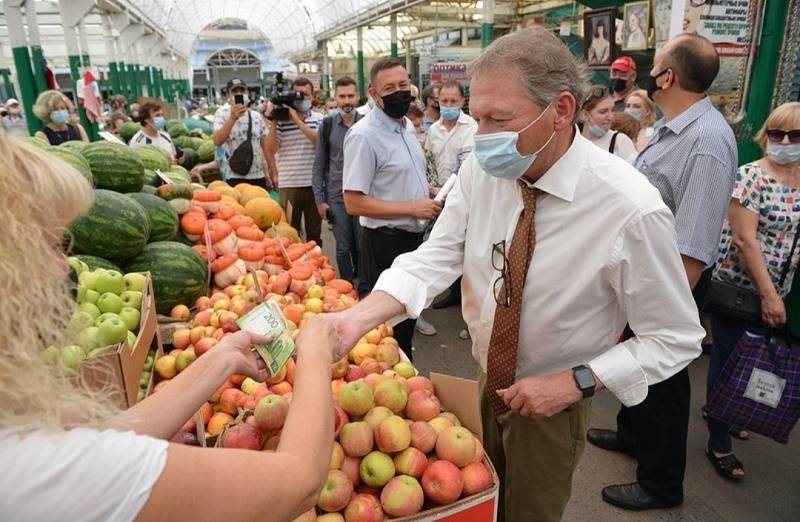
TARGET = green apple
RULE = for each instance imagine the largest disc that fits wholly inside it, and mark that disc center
(184, 359)
(77, 265)
(80, 295)
(72, 355)
(89, 279)
(110, 302)
(112, 331)
(132, 298)
(131, 340)
(90, 309)
(80, 320)
(52, 354)
(135, 282)
(89, 338)
(104, 317)
(110, 281)
(130, 316)
(92, 296)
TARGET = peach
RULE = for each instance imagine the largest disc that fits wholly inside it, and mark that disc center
(218, 422)
(181, 339)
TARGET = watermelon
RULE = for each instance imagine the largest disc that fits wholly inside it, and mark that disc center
(128, 130)
(198, 124)
(190, 158)
(36, 142)
(178, 174)
(172, 191)
(162, 217)
(94, 262)
(177, 130)
(149, 189)
(206, 152)
(74, 160)
(179, 274)
(151, 178)
(114, 167)
(194, 143)
(115, 228)
(153, 158)
(74, 145)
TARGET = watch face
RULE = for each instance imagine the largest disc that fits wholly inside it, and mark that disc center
(584, 378)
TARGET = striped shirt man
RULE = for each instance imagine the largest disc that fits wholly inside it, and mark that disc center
(692, 161)
(296, 152)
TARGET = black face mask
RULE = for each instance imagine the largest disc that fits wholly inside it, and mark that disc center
(619, 84)
(396, 105)
(652, 86)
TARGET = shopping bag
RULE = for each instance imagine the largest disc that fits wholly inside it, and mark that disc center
(758, 389)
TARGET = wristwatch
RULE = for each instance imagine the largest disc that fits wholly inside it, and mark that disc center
(584, 380)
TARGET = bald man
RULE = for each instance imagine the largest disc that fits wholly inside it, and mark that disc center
(692, 161)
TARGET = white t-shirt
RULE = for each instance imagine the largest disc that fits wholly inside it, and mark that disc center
(623, 147)
(162, 141)
(77, 475)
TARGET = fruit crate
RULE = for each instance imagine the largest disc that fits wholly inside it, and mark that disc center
(118, 368)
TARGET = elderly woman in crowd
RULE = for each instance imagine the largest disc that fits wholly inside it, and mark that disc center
(54, 109)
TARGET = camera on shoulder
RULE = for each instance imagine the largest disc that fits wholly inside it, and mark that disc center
(281, 103)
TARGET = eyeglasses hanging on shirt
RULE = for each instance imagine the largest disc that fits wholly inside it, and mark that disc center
(502, 285)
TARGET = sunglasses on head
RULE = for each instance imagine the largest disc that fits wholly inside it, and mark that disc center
(599, 92)
(777, 136)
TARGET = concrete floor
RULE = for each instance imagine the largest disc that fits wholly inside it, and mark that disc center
(769, 493)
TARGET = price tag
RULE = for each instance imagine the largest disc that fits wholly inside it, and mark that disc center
(164, 178)
(110, 137)
(267, 319)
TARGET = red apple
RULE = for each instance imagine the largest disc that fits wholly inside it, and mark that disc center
(442, 482)
(451, 417)
(350, 467)
(393, 435)
(476, 478)
(363, 508)
(356, 439)
(423, 436)
(271, 412)
(377, 415)
(392, 395)
(370, 365)
(340, 419)
(203, 318)
(422, 406)
(402, 496)
(228, 401)
(411, 461)
(456, 445)
(374, 379)
(356, 398)
(242, 436)
(337, 456)
(419, 383)
(355, 373)
(336, 492)
(339, 369)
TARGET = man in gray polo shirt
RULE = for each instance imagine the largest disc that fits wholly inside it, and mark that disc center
(692, 161)
(385, 182)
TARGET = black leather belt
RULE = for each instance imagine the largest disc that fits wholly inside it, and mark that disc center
(389, 231)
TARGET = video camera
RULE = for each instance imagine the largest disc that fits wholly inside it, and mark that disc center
(282, 101)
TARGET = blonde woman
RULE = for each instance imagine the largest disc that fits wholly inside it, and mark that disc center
(641, 107)
(54, 109)
(67, 453)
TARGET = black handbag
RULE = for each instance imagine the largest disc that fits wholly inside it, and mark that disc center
(741, 304)
(242, 158)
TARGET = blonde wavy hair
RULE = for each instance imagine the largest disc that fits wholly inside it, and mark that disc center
(41, 195)
(46, 103)
(649, 118)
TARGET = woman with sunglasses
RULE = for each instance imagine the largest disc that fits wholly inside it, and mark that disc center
(763, 219)
(597, 116)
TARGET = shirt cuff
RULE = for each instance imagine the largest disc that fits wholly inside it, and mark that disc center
(618, 370)
(407, 289)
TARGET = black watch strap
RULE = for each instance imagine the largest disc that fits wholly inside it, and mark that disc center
(584, 380)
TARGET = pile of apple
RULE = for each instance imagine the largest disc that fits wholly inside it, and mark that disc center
(396, 451)
(108, 312)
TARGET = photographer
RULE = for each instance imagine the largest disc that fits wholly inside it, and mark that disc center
(233, 124)
(293, 139)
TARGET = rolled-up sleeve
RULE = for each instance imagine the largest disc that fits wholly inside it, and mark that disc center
(648, 277)
(416, 278)
(359, 163)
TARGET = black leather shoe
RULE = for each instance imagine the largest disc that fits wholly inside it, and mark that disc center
(605, 439)
(634, 497)
(446, 302)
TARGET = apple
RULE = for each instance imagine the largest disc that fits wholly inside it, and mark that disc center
(89, 279)
(112, 331)
(451, 417)
(339, 369)
(80, 320)
(337, 457)
(203, 345)
(242, 436)
(314, 305)
(442, 482)
(105, 317)
(419, 382)
(249, 385)
(72, 355)
(90, 309)
(439, 424)
(476, 478)
(132, 298)
(356, 438)
(135, 282)
(350, 467)
(355, 373)
(370, 365)
(377, 469)
(217, 422)
(131, 340)
(376, 415)
(308, 516)
(91, 296)
(110, 302)
(271, 412)
(181, 339)
(196, 333)
(478, 452)
(411, 461)
(362, 351)
(336, 492)
(402, 497)
(184, 359)
(456, 445)
(180, 313)
(331, 517)
(52, 354)
(315, 292)
(130, 316)
(405, 369)
(356, 398)
(387, 353)
(392, 395)
(165, 367)
(364, 508)
(393, 435)
(203, 318)
(229, 400)
(423, 436)
(422, 406)
(77, 265)
(90, 338)
(110, 281)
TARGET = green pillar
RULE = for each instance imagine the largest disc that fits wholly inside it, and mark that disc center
(85, 60)
(139, 82)
(27, 86)
(487, 34)
(122, 77)
(360, 60)
(132, 83)
(113, 74)
(75, 74)
(37, 58)
(762, 88)
(7, 84)
(148, 80)
(393, 35)
(35, 44)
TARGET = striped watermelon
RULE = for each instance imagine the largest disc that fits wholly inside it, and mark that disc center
(128, 130)
(206, 151)
(153, 158)
(177, 130)
(151, 178)
(190, 158)
(198, 124)
(36, 142)
(114, 167)
(149, 189)
(179, 274)
(115, 228)
(163, 218)
(74, 145)
(94, 262)
(73, 159)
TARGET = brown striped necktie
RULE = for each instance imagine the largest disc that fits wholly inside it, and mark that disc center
(501, 364)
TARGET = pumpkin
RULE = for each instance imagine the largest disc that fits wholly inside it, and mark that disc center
(252, 193)
(227, 269)
(193, 224)
(264, 211)
(223, 239)
(241, 187)
(253, 255)
(284, 231)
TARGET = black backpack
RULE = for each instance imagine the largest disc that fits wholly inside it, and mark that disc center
(241, 160)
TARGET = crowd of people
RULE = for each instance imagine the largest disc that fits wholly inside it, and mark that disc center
(585, 230)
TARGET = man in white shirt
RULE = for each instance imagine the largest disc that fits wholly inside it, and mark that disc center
(15, 123)
(560, 245)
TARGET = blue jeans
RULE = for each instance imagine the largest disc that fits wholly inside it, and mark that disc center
(727, 333)
(347, 232)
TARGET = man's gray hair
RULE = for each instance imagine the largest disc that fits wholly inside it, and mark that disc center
(545, 66)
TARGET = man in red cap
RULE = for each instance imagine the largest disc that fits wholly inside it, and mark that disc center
(623, 80)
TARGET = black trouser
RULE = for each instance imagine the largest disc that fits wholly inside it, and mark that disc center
(260, 182)
(379, 248)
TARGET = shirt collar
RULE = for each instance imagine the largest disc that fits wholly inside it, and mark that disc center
(388, 123)
(684, 119)
(341, 119)
(561, 179)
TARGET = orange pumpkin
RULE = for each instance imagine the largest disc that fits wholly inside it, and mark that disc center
(225, 212)
(239, 220)
(193, 224)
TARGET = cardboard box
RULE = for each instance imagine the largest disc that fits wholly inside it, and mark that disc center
(118, 368)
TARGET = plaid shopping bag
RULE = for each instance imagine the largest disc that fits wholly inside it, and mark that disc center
(758, 389)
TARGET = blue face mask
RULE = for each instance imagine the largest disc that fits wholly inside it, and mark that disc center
(783, 153)
(303, 106)
(59, 117)
(158, 122)
(597, 132)
(449, 113)
(333, 112)
(498, 156)
(636, 113)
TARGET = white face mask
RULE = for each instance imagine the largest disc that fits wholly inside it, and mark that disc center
(783, 153)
